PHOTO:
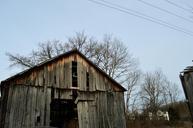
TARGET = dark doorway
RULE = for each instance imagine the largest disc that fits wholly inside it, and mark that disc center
(63, 114)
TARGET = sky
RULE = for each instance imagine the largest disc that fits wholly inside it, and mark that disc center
(23, 24)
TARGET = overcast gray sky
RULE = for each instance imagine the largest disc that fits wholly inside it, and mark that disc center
(23, 24)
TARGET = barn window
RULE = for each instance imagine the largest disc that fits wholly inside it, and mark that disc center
(87, 81)
(74, 74)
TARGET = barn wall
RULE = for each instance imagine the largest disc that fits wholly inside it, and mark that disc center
(188, 81)
(25, 104)
(95, 109)
(4, 97)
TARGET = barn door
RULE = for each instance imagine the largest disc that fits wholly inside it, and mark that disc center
(87, 114)
(63, 114)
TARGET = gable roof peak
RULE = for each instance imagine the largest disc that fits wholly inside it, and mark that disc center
(75, 50)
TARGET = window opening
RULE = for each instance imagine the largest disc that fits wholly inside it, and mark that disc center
(87, 81)
(74, 74)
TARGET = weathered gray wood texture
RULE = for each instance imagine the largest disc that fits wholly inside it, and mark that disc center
(105, 111)
(187, 83)
(28, 96)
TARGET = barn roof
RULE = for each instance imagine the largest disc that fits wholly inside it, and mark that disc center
(188, 69)
(75, 51)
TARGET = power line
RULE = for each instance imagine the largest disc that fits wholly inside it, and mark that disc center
(164, 10)
(178, 6)
(150, 17)
(141, 15)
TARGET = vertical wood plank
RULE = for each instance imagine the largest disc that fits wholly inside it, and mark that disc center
(62, 74)
(81, 76)
(12, 104)
(68, 74)
(33, 106)
(48, 102)
(57, 74)
(83, 115)
(38, 107)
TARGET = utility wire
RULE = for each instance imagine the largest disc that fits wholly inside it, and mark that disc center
(164, 10)
(141, 15)
(178, 6)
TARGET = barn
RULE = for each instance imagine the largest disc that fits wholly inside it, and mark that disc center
(68, 91)
(186, 78)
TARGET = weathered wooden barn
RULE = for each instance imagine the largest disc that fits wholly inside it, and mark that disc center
(186, 78)
(68, 91)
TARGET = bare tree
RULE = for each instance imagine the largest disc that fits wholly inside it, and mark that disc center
(157, 90)
(131, 94)
(109, 54)
(152, 91)
(171, 92)
(45, 51)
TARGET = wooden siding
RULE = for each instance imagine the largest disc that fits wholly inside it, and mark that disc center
(105, 110)
(95, 109)
(28, 97)
(24, 105)
(187, 82)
